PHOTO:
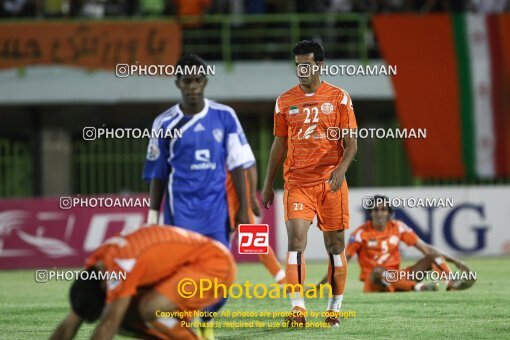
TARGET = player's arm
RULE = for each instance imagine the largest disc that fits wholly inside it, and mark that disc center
(240, 187)
(156, 172)
(112, 319)
(239, 155)
(338, 175)
(349, 143)
(68, 328)
(428, 249)
(276, 156)
(157, 190)
(252, 182)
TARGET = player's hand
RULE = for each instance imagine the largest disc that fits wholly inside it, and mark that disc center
(267, 196)
(255, 207)
(242, 217)
(336, 179)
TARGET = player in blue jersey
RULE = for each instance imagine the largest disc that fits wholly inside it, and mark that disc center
(190, 172)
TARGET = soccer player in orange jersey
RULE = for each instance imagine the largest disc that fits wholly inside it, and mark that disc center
(314, 172)
(269, 260)
(377, 245)
(154, 259)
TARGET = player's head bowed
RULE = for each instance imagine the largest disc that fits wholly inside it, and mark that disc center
(88, 297)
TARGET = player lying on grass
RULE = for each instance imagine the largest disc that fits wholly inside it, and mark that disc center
(377, 245)
(155, 259)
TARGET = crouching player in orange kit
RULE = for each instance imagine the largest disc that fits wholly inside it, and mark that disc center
(155, 259)
(377, 245)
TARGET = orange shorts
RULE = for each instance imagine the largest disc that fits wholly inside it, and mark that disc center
(215, 266)
(331, 208)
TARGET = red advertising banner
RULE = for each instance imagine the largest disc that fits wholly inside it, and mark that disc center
(47, 232)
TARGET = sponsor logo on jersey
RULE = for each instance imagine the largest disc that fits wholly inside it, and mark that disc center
(308, 133)
(327, 108)
(312, 104)
(204, 157)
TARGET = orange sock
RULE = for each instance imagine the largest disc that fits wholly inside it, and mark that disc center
(272, 265)
(170, 328)
(337, 273)
(295, 273)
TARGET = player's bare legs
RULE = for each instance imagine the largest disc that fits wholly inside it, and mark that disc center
(272, 265)
(439, 264)
(337, 273)
(295, 271)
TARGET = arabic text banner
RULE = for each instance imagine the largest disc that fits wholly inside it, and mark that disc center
(92, 45)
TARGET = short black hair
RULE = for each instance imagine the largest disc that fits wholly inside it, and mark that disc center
(190, 59)
(386, 201)
(87, 297)
(309, 46)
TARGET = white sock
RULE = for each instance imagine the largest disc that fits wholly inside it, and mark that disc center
(280, 275)
(335, 303)
(417, 287)
(167, 322)
(298, 302)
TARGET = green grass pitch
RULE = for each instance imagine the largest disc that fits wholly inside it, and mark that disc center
(31, 310)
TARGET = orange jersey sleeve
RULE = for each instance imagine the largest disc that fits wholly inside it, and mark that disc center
(354, 244)
(280, 127)
(407, 234)
(347, 118)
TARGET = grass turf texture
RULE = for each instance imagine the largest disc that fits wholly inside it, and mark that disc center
(31, 310)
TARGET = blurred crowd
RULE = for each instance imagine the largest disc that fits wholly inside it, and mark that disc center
(108, 8)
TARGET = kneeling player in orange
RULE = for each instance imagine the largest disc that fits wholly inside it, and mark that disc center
(155, 259)
(269, 260)
(377, 245)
